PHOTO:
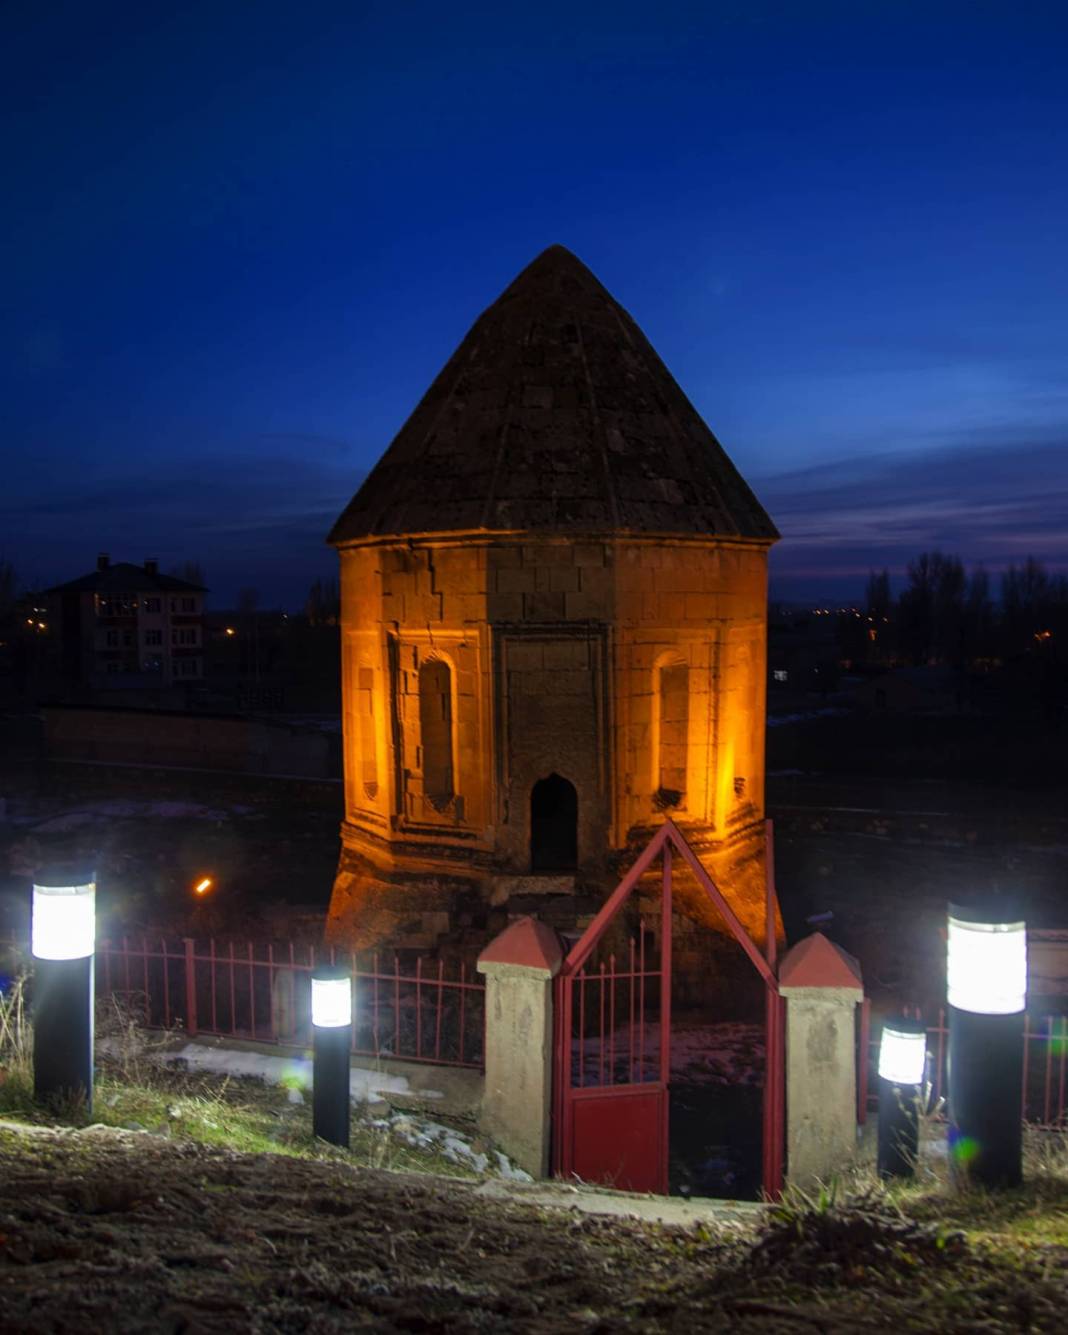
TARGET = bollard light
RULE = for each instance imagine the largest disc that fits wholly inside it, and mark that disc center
(986, 983)
(902, 1065)
(331, 1001)
(986, 964)
(62, 941)
(903, 1052)
(63, 923)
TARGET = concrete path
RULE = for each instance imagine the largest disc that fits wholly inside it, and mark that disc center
(624, 1204)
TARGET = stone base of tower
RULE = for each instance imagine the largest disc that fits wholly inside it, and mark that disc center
(738, 866)
(385, 900)
(390, 903)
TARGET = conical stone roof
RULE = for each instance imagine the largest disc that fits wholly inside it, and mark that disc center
(554, 415)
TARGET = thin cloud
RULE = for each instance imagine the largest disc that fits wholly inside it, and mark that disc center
(986, 503)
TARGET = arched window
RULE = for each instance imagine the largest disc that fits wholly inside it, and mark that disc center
(553, 825)
(673, 717)
(435, 723)
(365, 711)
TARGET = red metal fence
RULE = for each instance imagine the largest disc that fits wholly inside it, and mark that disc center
(1045, 1068)
(263, 991)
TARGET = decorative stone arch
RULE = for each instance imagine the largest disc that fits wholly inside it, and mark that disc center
(437, 728)
(670, 730)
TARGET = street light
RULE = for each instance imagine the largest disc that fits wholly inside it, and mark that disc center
(62, 940)
(902, 1063)
(331, 1002)
(986, 978)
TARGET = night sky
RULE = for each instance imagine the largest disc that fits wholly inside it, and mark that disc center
(239, 240)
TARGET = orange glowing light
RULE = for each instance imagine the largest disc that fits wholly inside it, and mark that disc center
(202, 887)
(230, 630)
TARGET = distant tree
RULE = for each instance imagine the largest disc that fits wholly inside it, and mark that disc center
(878, 600)
(248, 602)
(191, 571)
(8, 587)
(978, 624)
(877, 624)
(323, 606)
(931, 608)
(1026, 598)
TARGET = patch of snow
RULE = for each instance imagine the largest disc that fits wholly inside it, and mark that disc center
(292, 1072)
(508, 1170)
(730, 1053)
(454, 1146)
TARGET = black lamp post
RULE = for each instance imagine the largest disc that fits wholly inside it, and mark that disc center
(62, 940)
(986, 974)
(902, 1063)
(331, 997)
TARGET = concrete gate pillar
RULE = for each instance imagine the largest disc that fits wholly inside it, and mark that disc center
(520, 966)
(822, 986)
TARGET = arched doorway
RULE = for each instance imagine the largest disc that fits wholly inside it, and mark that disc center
(553, 825)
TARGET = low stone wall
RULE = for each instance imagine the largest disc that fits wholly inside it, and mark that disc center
(227, 742)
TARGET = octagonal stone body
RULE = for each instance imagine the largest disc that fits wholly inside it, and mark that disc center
(554, 592)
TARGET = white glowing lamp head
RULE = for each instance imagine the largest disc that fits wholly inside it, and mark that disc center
(63, 923)
(903, 1052)
(331, 998)
(986, 962)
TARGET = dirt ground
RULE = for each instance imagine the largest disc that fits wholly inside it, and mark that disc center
(110, 1231)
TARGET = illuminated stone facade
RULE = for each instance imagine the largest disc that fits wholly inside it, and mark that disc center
(554, 613)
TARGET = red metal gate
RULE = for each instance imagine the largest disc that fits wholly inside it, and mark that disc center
(612, 1068)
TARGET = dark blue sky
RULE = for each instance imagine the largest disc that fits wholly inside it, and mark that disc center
(239, 240)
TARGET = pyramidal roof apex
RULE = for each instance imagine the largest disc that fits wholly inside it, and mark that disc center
(554, 415)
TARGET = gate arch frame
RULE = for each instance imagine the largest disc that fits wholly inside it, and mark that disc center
(669, 839)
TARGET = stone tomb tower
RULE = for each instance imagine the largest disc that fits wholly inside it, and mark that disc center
(554, 618)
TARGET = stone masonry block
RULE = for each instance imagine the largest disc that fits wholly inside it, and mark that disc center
(590, 554)
(461, 607)
(504, 606)
(594, 579)
(563, 579)
(545, 606)
(525, 654)
(516, 581)
(563, 682)
(556, 554)
(462, 579)
(640, 708)
(419, 610)
(584, 607)
(499, 558)
(567, 654)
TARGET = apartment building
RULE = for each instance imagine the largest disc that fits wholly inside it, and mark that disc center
(126, 625)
